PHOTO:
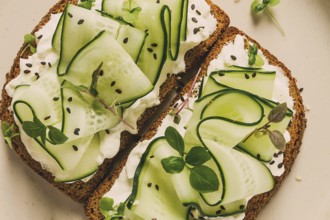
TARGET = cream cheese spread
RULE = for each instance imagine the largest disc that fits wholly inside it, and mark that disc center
(122, 188)
(46, 60)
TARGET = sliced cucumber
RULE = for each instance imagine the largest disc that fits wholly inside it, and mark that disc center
(121, 80)
(257, 82)
(153, 196)
(165, 24)
(79, 27)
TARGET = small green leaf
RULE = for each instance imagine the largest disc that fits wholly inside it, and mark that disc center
(121, 208)
(197, 156)
(33, 129)
(277, 139)
(203, 179)
(277, 114)
(177, 119)
(56, 136)
(95, 78)
(106, 205)
(29, 39)
(33, 50)
(173, 164)
(259, 61)
(174, 139)
(86, 4)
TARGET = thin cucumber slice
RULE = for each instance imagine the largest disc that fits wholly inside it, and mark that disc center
(79, 27)
(153, 196)
(121, 80)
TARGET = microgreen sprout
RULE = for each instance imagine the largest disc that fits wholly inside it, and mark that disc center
(202, 178)
(111, 211)
(276, 115)
(30, 43)
(8, 132)
(86, 4)
(258, 6)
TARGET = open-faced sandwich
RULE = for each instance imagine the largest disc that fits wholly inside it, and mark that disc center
(89, 83)
(223, 149)
(152, 110)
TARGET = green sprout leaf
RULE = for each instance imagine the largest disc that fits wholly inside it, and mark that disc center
(106, 205)
(174, 139)
(56, 136)
(33, 129)
(203, 179)
(86, 4)
(173, 164)
(110, 211)
(197, 156)
(252, 54)
(8, 132)
(29, 40)
(278, 113)
(277, 139)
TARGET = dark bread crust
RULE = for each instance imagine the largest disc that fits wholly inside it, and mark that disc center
(296, 127)
(80, 191)
(296, 130)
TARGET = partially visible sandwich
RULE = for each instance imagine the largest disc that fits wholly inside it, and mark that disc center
(222, 150)
(96, 79)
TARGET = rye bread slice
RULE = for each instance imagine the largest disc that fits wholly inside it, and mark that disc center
(79, 191)
(296, 129)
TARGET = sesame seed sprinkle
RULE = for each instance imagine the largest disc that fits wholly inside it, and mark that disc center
(233, 57)
(157, 187)
(39, 37)
(75, 148)
(149, 184)
(246, 76)
(68, 110)
(113, 83)
(81, 21)
(193, 6)
(56, 99)
(76, 131)
(118, 91)
(70, 15)
(125, 40)
(154, 45)
(27, 71)
(254, 74)
(198, 12)
(150, 50)
(194, 20)
(43, 63)
(28, 65)
(155, 56)
(47, 118)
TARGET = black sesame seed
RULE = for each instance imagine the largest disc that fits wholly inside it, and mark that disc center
(218, 212)
(154, 45)
(194, 20)
(39, 37)
(221, 74)
(75, 148)
(198, 12)
(280, 165)
(254, 74)
(125, 40)
(101, 73)
(28, 65)
(46, 118)
(193, 7)
(155, 56)
(76, 131)
(70, 99)
(68, 110)
(222, 207)
(279, 153)
(113, 83)
(196, 30)
(107, 131)
(150, 50)
(43, 63)
(258, 156)
(272, 162)
(118, 91)
(81, 21)
(175, 105)
(70, 15)
(182, 99)
(233, 57)
(27, 71)
(242, 206)
(49, 64)
(56, 99)
(157, 187)
(158, 1)
(152, 156)
(149, 184)
(301, 89)
(275, 155)
(246, 76)
(37, 75)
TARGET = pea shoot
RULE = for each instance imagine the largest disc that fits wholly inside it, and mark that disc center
(30, 41)
(259, 6)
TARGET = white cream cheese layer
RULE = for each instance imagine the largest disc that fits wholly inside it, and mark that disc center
(123, 185)
(46, 60)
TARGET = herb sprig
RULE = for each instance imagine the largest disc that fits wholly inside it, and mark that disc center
(258, 6)
(276, 115)
(133, 12)
(110, 211)
(8, 132)
(36, 129)
(86, 4)
(30, 43)
(202, 178)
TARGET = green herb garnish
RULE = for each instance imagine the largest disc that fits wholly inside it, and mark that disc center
(202, 178)
(259, 6)
(276, 115)
(110, 211)
(132, 11)
(86, 4)
(30, 43)
(8, 132)
(36, 129)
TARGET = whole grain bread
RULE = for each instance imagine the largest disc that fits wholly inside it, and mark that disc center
(79, 190)
(296, 129)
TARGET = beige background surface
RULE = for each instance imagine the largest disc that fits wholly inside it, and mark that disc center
(305, 49)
